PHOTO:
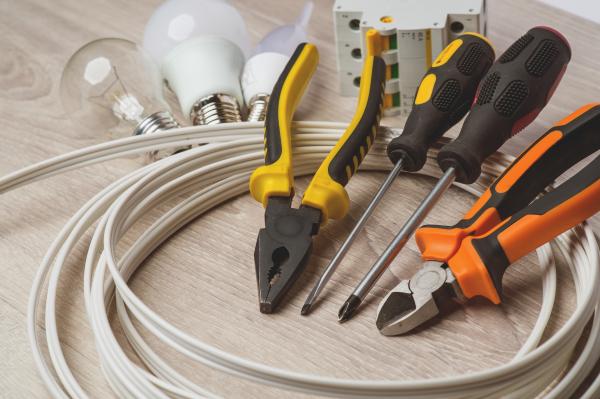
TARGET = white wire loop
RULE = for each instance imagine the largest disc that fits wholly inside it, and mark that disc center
(211, 174)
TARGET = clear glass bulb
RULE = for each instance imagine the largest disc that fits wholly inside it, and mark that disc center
(112, 86)
(200, 46)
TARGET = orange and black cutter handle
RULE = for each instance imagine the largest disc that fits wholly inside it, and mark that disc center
(481, 261)
(443, 97)
(566, 143)
(510, 96)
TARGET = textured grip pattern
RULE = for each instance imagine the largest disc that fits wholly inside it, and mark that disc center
(326, 189)
(447, 95)
(347, 159)
(512, 98)
(450, 86)
(544, 55)
(471, 58)
(488, 88)
(516, 89)
(516, 48)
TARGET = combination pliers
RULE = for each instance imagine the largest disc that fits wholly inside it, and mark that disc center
(284, 244)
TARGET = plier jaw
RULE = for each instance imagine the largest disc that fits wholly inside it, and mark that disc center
(283, 248)
(414, 301)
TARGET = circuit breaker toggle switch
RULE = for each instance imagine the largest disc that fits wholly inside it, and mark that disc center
(413, 32)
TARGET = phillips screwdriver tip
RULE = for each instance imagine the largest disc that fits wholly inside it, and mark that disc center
(349, 308)
(305, 309)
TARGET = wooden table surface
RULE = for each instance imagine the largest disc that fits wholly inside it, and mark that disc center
(202, 280)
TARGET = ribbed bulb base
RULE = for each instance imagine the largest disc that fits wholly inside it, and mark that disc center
(257, 107)
(162, 120)
(215, 109)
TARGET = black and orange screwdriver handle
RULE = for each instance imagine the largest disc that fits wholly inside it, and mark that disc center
(481, 261)
(443, 97)
(514, 91)
(562, 146)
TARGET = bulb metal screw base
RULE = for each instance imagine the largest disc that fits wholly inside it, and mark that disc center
(215, 109)
(162, 120)
(257, 107)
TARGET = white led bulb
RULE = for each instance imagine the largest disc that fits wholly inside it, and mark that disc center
(269, 60)
(200, 46)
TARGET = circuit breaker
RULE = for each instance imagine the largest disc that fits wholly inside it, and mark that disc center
(413, 33)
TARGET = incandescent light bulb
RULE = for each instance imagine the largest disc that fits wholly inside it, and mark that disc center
(111, 85)
(270, 58)
(200, 46)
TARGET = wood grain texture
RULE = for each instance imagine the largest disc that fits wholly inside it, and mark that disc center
(203, 280)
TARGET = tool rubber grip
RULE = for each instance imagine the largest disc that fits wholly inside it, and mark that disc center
(510, 96)
(481, 261)
(326, 190)
(562, 146)
(443, 98)
(276, 177)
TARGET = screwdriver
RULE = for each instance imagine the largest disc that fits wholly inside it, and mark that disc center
(443, 98)
(510, 96)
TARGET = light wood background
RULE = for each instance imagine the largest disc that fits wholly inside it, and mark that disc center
(203, 279)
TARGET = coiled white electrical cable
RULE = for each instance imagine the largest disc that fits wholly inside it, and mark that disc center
(209, 175)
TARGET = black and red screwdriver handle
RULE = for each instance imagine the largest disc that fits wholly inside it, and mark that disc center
(443, 97)
(510, 96)
(488, 245)
(562, 146)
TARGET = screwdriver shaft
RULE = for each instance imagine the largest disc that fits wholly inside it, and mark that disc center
(339, 256)
(408, 229)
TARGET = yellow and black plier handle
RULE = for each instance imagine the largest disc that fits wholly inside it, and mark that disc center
(326, 191)
(276, 177)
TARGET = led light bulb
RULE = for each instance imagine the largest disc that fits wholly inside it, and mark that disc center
(200, 46)
(270, 58)
(112, 85)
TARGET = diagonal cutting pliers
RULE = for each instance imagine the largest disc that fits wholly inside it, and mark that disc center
(284, 244)
(469, 259)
